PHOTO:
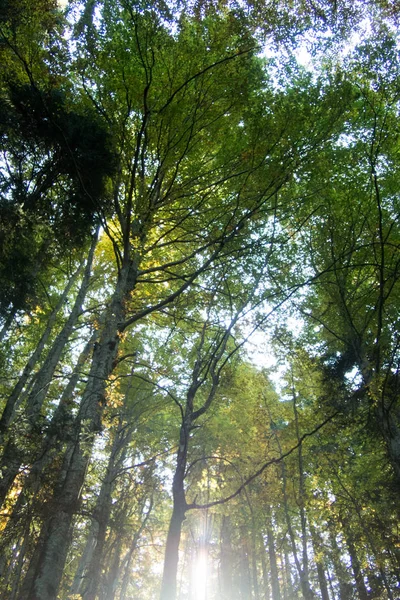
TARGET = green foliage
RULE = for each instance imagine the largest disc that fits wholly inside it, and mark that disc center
(235, 193)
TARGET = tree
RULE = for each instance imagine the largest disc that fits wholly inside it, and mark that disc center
(220, 186)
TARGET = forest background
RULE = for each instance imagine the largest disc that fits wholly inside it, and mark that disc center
(199, 300)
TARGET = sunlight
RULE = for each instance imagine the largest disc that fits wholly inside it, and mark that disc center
(199, 576)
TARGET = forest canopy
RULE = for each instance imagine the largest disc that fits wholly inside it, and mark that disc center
(199, 275)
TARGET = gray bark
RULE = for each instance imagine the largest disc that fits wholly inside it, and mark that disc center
(44, 377)
(275, 587)
(170, 571)
(7, 324)
(15, 396)
(341, 573)
(265, 576)
(317, 546)
(45, 572)
(131, 552)
(102, 514)
(226, 560)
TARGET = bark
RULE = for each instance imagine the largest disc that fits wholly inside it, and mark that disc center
(302, 569)
(45, 572)
(226, 559)
(303, 573)
(7, 324)
(289, 591)
(15, 396)
(111, 580)
(355, 565)
(59, 429)
(317, 547)
(102, 516)
(169, 580)
(85, 559)
(245, 580)
(131, 552)
(275, 587)
(391, 433)
(44, 377)
(265, 576)
(341, 573)
(170, 572)
(46, 566)
(13, 455)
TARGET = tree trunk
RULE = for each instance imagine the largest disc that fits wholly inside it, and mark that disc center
(131, 551)
(341, 573)
(44, 377)
(41, 382)
(356, 565)
(245, 580)
(391, 433)
(170, 572)
(276, 592)
(7, 323)
(102, 516)
(290, 592)
(317, 547)
(265, 576)
(226, 560)
(45, 572)
(14, 398)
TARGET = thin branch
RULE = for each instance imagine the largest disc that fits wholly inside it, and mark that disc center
(273, 461)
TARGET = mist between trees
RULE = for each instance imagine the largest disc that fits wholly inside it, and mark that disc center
(170, 194)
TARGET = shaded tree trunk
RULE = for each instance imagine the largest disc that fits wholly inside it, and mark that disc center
(14, 398)
(275, 587)
(13, 455)
(265, 576)
(341, 573)
(45, 571)
(226, 560)
(245, 579)
(355, 565)
(317, 547)
(170, 572)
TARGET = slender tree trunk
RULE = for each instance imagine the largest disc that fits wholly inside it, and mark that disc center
(59, 427)
(112, 576)
(44, 575)
(304, 571)
(170, 572)
(289, 590)
(355, 564)
(102, 516)
(7, 323)
(317, 547)
(265, 576)
(303, 574)
(391, 433)
(13, 400)
(18, 567)
(254, 554)
(131, 552)
(341, 573)
(245, 579)
(276, 592)
(85, 558)
(13, 456)
(226, 559)
(44, 377)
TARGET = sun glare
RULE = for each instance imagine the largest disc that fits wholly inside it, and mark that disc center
(199, 575)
